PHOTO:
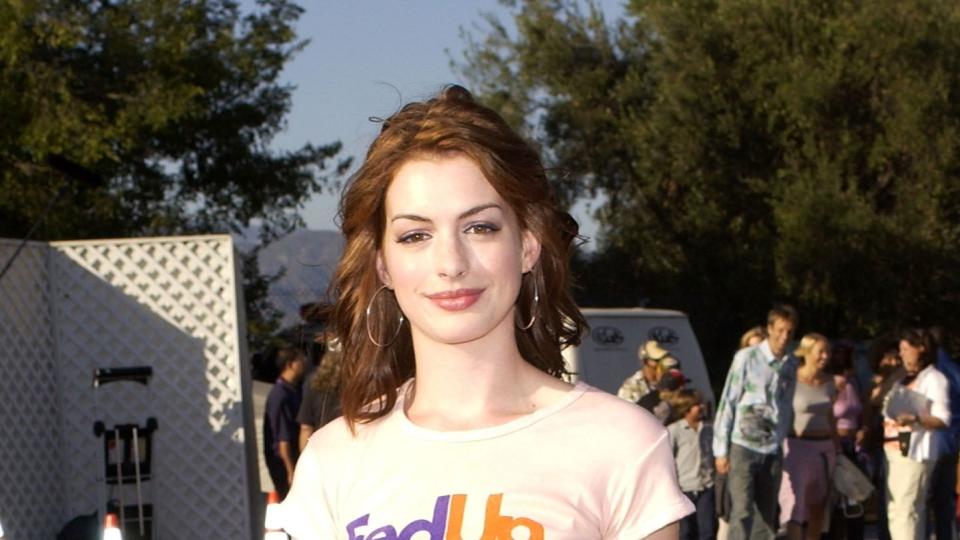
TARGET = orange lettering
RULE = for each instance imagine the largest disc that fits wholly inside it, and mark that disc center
(455, 523)
(497, 527)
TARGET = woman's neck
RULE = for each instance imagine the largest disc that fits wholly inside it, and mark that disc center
(477, 384)
(808, 372)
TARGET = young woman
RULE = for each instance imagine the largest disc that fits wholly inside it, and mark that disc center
(452, 305)
(846, 520)
(810, 449)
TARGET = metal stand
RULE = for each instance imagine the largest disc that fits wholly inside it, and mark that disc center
(127, 453)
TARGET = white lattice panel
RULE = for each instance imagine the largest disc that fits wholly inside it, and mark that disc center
(170, 304)
(30, 442)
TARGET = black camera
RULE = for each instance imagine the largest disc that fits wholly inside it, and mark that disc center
(903, 439)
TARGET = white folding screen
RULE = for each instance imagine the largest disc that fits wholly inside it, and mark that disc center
(30, 440)
(173, 304)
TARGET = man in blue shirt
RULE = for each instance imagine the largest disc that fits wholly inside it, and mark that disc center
(753, 418)
(943, 481)
(280, 427)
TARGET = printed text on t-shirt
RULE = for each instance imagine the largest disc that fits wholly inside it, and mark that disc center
(447, 523)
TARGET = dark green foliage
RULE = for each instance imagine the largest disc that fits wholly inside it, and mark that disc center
(751, 152)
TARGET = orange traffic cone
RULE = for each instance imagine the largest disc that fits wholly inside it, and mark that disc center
(111, 528)
(271, 520)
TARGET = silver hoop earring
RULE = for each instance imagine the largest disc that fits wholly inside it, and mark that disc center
(367, 320)
(536, 303)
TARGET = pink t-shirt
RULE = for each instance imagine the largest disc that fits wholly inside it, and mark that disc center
(847, 407)
(588, 467)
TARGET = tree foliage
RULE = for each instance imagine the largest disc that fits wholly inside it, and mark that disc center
(750, 151)
(150, 117)
(167, 106)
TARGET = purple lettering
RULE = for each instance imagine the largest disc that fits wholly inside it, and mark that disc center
(434, 527)
(386, 532)
(359, 522)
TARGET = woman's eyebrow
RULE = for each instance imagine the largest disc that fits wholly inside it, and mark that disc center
(478, 209)
(468, 213)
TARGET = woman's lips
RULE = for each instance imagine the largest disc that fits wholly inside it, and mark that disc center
(456, 300)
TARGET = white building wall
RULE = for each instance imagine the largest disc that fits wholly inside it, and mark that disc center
(172, 304)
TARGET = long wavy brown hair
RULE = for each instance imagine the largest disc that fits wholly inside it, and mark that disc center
(451, 123)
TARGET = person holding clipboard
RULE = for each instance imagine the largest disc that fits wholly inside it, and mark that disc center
(917, 406)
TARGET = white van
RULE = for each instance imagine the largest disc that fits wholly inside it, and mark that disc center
(608, 355)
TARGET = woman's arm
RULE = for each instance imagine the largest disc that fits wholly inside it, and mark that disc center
(670, 532)
(925, 421)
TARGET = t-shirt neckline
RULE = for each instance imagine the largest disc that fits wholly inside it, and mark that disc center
(579, 388)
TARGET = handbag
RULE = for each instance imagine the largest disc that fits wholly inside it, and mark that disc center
(850, 481)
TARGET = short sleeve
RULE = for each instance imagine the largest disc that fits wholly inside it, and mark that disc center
(644, 496)
(306, 511)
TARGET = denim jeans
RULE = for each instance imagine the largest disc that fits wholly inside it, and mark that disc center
(754, 483)
(702, 524)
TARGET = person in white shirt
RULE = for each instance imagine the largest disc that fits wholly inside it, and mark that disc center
(452, 305)
(908, 437)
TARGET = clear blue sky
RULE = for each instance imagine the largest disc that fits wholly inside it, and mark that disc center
(366, 58)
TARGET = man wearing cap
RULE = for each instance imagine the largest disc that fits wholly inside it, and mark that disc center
(654, 360)
(753, 417)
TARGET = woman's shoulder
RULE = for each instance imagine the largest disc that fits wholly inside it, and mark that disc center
(932, 375)
(604, 418)
(338, 437)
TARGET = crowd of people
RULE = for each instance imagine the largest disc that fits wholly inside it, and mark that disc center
(794, 415)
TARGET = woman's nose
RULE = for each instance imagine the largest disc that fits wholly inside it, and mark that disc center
(450, 258)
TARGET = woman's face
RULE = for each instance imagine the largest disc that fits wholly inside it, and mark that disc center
(819, 355)
(453, 251)
(910, 356)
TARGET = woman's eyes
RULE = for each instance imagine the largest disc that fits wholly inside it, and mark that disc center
(481, 228)
(474, 228)
(412, 237)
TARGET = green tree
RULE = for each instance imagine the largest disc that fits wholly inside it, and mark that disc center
(150, 117)
(751, 151)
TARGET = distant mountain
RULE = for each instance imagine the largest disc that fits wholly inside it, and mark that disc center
(309, 258)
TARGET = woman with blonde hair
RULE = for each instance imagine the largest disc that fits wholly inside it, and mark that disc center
(753, 337)
(452, 306)
(809, 451)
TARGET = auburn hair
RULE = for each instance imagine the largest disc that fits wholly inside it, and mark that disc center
(450, 124)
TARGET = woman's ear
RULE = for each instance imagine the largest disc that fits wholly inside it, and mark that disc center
(382, 271)
(531, 251)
